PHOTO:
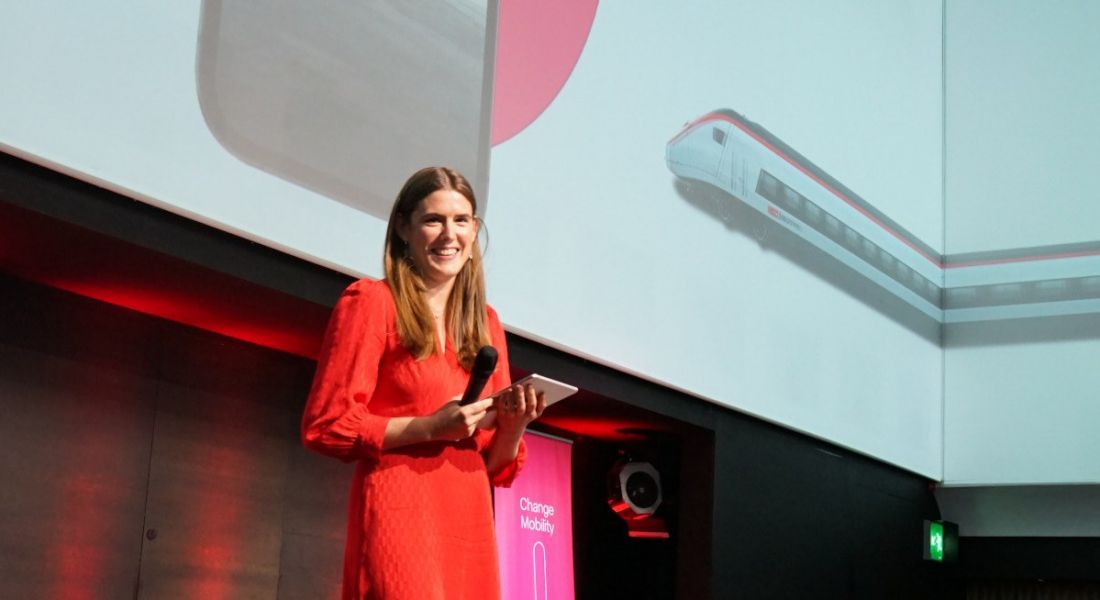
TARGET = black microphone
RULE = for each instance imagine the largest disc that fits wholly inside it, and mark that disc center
(484, 364)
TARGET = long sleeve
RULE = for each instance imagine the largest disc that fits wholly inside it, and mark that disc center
(336, 420)
(501, 379)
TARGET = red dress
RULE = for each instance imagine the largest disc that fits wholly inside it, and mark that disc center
(420, 524)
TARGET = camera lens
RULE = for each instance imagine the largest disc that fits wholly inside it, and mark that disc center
(642, 489)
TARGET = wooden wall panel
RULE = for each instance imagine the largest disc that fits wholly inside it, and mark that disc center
(216, 484)
(73, 476)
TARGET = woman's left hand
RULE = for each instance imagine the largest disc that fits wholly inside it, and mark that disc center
(518, 407)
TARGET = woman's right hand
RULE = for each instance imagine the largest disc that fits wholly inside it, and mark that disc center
(453, 423)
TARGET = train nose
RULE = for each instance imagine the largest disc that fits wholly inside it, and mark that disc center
(680, 133)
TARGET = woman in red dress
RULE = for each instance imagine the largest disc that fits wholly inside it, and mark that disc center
(395, 359)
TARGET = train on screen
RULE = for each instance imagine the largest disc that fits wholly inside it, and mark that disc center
(725, 150)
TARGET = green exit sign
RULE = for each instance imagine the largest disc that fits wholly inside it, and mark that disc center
(935, 541)
(941, 541)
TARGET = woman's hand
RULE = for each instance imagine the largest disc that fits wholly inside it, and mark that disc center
(515, 409)
(518, 407)
(452, 422)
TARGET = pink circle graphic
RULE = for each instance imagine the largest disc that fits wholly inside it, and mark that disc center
(538, 45)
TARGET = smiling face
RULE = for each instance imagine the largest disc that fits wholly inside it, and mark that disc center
(440, 235)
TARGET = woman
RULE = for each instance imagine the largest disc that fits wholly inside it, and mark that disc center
(395, 358)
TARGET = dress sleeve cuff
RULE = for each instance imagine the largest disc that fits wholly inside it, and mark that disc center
(356, 435)
(506, 475)
(372, 435)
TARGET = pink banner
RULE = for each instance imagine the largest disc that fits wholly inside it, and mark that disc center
(534, 522)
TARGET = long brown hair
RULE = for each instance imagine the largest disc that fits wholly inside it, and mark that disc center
(465, 317)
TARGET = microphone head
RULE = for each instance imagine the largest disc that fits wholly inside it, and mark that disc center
(485, 361)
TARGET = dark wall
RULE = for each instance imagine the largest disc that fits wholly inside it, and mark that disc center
(810, 517)
(1003, 568)
(98, 210)
(146, 459)
(1033, 559)
(787, 516)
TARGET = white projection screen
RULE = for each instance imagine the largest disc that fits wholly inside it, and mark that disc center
(812, 299)
(1020, 398)
(779, 253)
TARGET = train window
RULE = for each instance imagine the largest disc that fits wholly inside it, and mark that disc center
(791, 198)
(1092, 284)
(767, 186)
(719, 136)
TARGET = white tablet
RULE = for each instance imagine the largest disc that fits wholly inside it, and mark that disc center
(552, 390)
